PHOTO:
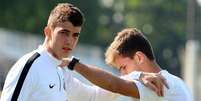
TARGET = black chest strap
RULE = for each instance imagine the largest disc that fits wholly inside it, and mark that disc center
(23, 76)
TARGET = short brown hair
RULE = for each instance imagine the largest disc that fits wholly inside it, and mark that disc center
(65, 12)
(126, 43)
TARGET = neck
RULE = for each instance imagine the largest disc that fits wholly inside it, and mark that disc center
(47, 46)
(152, 67)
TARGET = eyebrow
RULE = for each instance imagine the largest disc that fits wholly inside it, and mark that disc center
(65, 30)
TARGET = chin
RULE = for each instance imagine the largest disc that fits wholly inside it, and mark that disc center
(65, 55)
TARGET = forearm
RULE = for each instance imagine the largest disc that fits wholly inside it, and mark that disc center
(107, 80)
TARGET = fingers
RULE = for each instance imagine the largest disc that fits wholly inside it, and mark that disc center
(152, 86)
(64, 62)
(155, 82)
(161, 83)
(159, 86)
(151, 82)
(164, 82)
(159, 80)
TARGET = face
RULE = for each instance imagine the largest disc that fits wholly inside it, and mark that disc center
(62, 39)
(126, 65)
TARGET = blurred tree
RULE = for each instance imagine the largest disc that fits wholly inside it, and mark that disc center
(31, 15)
(163, 22)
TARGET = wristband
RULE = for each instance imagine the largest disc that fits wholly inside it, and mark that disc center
(72, 63)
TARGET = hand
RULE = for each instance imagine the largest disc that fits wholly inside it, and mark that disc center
(64, 62)
(154, 81)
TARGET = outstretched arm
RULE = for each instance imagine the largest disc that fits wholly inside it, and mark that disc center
(115, 84)
(107, 81)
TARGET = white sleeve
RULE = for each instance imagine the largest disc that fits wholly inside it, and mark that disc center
(78, 91)
(11, 82)
(146, 94)
(105, 95)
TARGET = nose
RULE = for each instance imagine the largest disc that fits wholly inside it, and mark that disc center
(69, 40)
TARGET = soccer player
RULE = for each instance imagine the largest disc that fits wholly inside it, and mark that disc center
(37, 75)
(131, 53)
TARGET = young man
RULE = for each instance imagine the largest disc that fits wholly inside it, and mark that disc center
(37, 75)
(131, 53)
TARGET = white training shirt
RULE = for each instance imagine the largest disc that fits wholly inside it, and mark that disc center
(177, 91)
(46, 81)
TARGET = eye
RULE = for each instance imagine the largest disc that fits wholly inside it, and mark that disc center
(76, 34)
(66, 33)
(122, 68)
(62, 32)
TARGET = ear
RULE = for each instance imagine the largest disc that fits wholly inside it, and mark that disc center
(139, 57)
(47, 32)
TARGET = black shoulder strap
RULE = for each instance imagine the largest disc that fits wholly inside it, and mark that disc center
(23, 76)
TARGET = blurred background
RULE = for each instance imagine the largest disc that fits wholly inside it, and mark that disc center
(172, 26)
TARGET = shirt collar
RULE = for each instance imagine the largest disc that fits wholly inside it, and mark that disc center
(43, 50)
(164, 72)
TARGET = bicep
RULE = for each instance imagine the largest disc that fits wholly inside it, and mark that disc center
(128, 87)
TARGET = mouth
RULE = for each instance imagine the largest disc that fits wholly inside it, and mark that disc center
(66, 49)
